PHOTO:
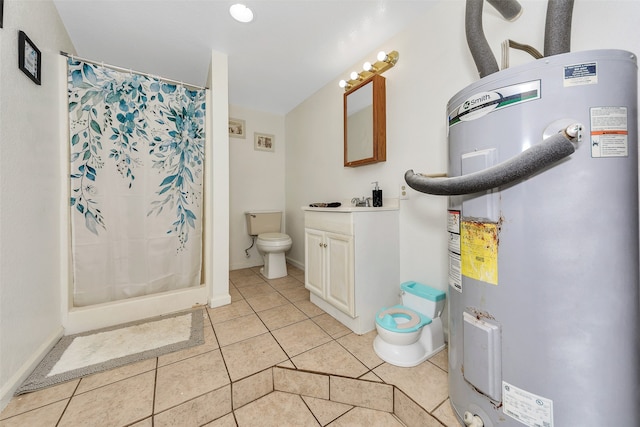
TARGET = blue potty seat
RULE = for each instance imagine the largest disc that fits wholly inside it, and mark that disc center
(386, 318)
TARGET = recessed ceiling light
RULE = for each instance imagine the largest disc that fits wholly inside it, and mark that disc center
(241, 13)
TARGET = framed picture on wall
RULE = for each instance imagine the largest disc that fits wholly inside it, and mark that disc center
(29, 58)
(264, 142)
(236, 128)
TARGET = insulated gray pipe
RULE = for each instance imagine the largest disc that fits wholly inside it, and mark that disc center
(482, 55)
(525, 164)
(509, 9)
(557, 30)
(478, 45)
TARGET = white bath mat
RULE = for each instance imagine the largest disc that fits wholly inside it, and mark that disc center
(88, 353)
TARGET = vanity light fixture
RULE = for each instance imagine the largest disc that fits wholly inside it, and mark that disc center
(241, 13)
(383, 63)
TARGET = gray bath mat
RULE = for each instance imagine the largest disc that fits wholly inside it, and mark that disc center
(87, 353)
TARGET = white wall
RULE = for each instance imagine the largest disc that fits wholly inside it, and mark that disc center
(216, 252)
(256, 180)
(29, 194)
(434, 65)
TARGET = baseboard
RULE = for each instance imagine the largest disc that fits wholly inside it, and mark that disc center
(295, 263)
(220, 301)
(241, 265)
(7, 390)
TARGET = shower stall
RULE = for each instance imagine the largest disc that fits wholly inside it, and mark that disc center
(543, 225)
(139, 188)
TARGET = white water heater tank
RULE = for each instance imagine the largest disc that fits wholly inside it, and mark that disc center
(544, 306)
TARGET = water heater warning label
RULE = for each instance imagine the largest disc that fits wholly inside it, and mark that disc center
(479, 250)
(453, 228)
(609, 133)
(530, 409)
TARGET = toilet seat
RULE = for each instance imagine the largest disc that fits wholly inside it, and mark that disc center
(273, 237)
(415, 319)
(274, 241)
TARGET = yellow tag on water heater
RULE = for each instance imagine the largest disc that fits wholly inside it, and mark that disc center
(479, 250)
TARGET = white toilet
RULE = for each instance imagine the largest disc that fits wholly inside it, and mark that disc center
(271, 243)
(410, 333)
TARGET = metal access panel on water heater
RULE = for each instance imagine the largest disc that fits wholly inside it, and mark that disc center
(485, 207)
(482, 355)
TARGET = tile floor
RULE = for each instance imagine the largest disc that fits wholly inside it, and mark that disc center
(270, 358)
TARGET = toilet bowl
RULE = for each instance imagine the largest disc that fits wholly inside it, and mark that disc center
(272, 247)
(271, 243)
(410, 333)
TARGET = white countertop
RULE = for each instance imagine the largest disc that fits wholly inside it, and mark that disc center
(387, 205)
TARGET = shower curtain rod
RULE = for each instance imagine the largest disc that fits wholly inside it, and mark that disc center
(190, 86)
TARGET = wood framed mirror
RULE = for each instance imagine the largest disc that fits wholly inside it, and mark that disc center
(365, 123)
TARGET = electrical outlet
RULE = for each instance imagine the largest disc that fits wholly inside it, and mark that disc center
(404, 192)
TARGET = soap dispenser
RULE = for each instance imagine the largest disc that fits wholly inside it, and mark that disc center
(377, 195)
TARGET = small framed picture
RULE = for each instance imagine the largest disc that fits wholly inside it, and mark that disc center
(236, 128)
(29, 58)
(264, 142)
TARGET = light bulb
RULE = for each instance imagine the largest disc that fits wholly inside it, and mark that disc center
(354, 75)
(367, 66)
(342, 83)
(381, 56)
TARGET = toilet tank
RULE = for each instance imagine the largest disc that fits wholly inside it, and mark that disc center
(259, 222)
(422, 298)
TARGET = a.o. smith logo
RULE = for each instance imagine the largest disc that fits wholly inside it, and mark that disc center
(483, 103)
(478, 105)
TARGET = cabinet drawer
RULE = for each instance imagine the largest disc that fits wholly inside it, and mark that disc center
(335, 222)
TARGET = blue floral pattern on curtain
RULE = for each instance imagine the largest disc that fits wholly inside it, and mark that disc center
(135, 127)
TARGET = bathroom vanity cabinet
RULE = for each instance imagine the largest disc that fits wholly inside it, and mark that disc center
(329, 268)
(352, 262)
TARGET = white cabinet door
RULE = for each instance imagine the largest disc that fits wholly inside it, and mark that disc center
(339, 268)
(314, 251)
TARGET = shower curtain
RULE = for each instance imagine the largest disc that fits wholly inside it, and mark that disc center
(136, 175)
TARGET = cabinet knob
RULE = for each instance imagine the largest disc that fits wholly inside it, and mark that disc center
(320, 244)
(325, 245)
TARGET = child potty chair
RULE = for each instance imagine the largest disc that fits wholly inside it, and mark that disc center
(410, 333)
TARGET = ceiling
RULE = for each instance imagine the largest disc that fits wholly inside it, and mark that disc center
(290, 50)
